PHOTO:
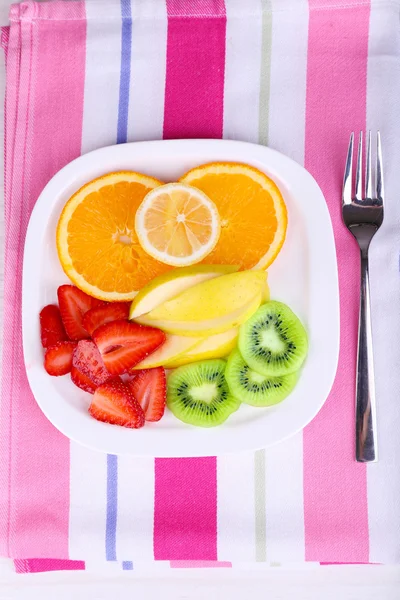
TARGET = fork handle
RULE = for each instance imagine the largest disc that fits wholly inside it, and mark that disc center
(366, 443)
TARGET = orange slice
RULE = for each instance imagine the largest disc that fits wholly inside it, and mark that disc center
(177, 224)
(96, 240)
(252, 212)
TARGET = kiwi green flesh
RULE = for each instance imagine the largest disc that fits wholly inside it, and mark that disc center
(198, 394)
(273, 341)
(250, 387)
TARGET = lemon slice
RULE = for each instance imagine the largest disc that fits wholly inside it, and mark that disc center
(177, 224)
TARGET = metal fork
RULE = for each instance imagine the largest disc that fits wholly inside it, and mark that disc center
(363, 215)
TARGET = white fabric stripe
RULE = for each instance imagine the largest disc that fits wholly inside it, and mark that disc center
(383, 478)
(148, 66)
(236, 524)
(135, 509)
(288, 79)
(236, 527)
(88, 502)
(286, 133)
(145, 121)
(242, 70)
(88, 469)
(284, 501)
(103, 58)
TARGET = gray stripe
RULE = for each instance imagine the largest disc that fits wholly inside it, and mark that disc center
(265, 75)
(260, 506)
(259, 456)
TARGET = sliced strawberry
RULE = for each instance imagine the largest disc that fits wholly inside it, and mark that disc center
(58, 358)
(82, 381)
(73, 305)
(123, 344)
(150, 389)
(51, 326)
(95, 317)
(114, 403)
(87, 359)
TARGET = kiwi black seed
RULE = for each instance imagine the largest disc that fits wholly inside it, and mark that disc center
(198, 394)
(255, 389)
(273, 341)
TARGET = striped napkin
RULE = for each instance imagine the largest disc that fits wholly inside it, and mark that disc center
(299, 76)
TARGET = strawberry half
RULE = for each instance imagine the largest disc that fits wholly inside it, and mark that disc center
(100, 315)
(58, 358)
(114, 403)
(82, 381)
(87, 359)
(73, 305)
(51, 326)
(124, 344)
(150, 389)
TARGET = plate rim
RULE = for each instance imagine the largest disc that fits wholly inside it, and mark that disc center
(116, 444)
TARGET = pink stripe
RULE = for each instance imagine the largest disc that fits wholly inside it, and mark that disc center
(195, 69)
(185, 514)
(12, 69)
(335, 492)
(41, 565)
(185, 509)
(199, 564)
(50, 87)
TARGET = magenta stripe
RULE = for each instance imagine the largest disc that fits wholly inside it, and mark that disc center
(335, 492)
(185, 512)
(195, 69)
(52, 63)
(41, 565)
(200, 564)
(185, 509)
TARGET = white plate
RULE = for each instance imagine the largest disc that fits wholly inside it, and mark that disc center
(304, 276)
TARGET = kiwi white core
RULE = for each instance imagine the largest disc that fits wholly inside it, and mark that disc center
(272, 341)
(206, 392)
(255, 377)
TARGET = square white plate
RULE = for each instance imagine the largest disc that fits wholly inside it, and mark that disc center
(304, 276)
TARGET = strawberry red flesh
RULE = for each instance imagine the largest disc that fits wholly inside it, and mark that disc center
(114, 403)
(51, 326)
(87, 359)
(58, 358)
(100, 315)
(124, 344)
(82, 381)
(73, 305)
(149, 387)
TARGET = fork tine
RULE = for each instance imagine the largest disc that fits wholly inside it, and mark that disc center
(379, 171)
(368, 176)
(359, 168)
(346, 194)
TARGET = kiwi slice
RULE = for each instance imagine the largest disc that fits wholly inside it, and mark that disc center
(250, 387)
(273, 341)
(198, 394)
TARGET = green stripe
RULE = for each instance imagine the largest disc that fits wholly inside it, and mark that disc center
(260, 507)
(265, 75)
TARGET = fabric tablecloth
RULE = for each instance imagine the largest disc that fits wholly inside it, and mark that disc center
(295, 75)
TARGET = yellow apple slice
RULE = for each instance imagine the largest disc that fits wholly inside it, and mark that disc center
(170, 284)
(172, 348)
(212, 299)
(265, 292)
(206, 327)
(215, 346)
